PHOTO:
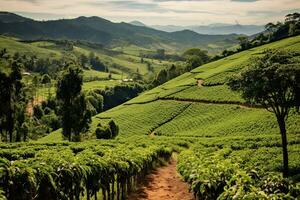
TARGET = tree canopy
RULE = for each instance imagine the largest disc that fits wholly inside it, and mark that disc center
(74, 112)
(272, 81)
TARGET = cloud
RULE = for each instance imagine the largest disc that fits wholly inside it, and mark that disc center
(243, 1)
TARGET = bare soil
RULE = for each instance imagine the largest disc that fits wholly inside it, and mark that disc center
(200, 82)
(36, 101)
(163, 184)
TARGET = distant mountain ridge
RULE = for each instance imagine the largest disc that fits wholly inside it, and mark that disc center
(214, 29)
(8, 17)
(137, 23)
(99, 30)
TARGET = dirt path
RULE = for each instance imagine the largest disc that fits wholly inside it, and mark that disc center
(200, 82)
(163, 184)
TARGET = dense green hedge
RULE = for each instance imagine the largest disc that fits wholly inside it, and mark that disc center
(77, 170)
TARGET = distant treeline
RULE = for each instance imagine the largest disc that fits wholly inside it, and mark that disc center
(273, 32)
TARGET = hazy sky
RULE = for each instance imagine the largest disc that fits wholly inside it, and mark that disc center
(158, 12)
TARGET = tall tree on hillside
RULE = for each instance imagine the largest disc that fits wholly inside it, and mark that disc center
(274, 82)
(74, 112)
(195, 58)
(13, 100)
(244, 42)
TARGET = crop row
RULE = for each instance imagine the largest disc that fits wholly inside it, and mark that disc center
(76, 171)
(141, 118)
(220, 93)
(227, 120)
(224, 173)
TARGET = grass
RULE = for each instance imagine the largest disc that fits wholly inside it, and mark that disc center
(13, 46)
(93, 74)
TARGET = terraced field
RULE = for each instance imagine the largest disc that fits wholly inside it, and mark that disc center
(193, 107)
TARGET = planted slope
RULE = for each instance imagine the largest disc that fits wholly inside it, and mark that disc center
(214, 111)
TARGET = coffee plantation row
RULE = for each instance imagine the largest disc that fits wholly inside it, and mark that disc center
(80, 170)
(110, 169)
(239, 168)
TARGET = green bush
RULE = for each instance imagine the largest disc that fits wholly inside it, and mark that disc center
(114, 128)
(38, 111)
(103, 133)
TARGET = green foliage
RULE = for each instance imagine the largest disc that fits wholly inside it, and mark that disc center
(13, 102)
(104, 132)
(74, 170)
(114, 128)
(46, 79)
(195, 58)
(217, 171)
(272, 81)
(38, 112)
(74, 113)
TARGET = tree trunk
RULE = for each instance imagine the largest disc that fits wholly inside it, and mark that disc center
(281, 122)
(10, 127)
(18, 136)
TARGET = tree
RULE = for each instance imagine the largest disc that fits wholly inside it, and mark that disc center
(74, 113)
(244, 42)
(270, 28)
(195, 57)
(114, 128)
(161, 77)
(46, 79)
(13, 100)
(3, 53)
(160, 54)
(274, 82)
(103, 132)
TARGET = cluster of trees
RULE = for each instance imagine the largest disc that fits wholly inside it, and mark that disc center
(160, 54)
(272, 81)
(193, 57)
(65, 45)
(13, 100)
(113, 96)
(166, 74)
(273, 32)
(34, 64)
(107, 132)
(92, 61)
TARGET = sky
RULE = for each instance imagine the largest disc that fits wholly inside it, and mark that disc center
(158, 12)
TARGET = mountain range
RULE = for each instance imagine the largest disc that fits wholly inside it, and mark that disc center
(99, 30)
(212, 29)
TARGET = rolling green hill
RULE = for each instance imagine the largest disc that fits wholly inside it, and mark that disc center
(99, 30)
(198, 105)
(119, 67)
(186, 105)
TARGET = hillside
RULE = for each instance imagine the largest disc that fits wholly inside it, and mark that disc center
(118, 61)
(198, 111)
(99, 30)
(186, 105)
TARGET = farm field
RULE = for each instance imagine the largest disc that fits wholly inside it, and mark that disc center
(121, 65)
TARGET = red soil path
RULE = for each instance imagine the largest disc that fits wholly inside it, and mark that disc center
(163, 184)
